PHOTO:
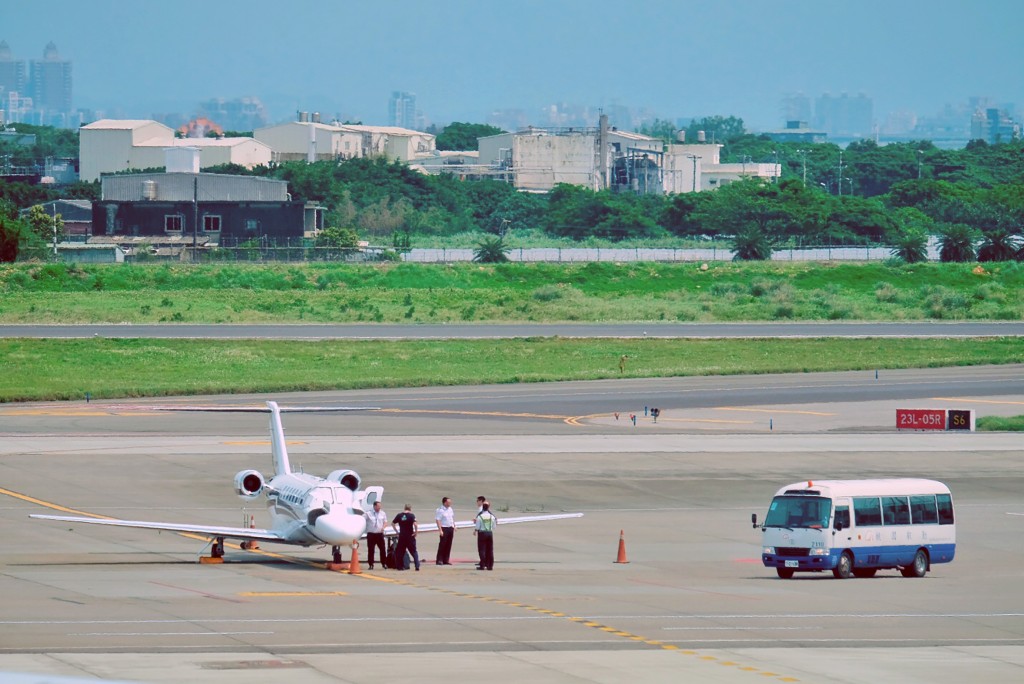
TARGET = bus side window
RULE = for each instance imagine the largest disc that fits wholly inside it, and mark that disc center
(945, 504)
(923, 511)
(842, 516)
(866, 511)
(895, 510)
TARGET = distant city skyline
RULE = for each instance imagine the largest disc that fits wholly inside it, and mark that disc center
(465, 59)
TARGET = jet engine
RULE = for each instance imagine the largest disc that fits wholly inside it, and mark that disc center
(249, 484)
(349, 478)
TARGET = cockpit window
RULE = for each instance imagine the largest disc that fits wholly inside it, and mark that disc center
(799, 511)
(322, 494)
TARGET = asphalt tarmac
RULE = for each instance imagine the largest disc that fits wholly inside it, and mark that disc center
(692, 604)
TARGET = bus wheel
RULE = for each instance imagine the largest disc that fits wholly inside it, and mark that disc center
(785, 573)
(919, 566)
(864, 572)
(844, 568)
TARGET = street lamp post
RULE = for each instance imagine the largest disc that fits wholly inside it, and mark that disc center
(840, 184)
(53, 218)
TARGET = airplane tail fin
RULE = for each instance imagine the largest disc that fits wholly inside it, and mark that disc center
(278, 449)
(277, 443)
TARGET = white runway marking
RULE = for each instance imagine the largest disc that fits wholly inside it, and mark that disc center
(152, 634)
(507, 618)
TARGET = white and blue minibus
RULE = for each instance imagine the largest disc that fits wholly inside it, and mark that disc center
(857, 527)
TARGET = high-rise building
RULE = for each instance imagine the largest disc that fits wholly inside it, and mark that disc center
(994, 126)
(845, 116)
(402, 109)
(796, 107)
(12, 78)
(238, 114)
(51, 87)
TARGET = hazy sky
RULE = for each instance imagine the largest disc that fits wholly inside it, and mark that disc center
(464, 58)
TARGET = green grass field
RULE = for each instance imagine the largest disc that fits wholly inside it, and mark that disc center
(436, 293)
(107, 368)
(1000, 423)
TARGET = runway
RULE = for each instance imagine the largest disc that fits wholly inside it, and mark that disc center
(692, 604)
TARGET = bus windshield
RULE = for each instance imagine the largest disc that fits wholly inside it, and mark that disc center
(799, 511)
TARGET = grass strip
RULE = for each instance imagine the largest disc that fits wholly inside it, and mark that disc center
(1000, 423)
(33, 370)
(438, 293)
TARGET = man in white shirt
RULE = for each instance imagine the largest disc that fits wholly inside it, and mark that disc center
(376, 521)
(485, 524)
(445, 518)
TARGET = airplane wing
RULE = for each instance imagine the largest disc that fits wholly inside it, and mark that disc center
(205, 530)
(462, 524)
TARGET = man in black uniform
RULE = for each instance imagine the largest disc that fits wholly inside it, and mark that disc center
(406, 526)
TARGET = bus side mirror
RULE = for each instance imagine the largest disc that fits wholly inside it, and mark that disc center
(753, 519)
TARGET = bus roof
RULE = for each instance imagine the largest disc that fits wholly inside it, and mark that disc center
(883, 487)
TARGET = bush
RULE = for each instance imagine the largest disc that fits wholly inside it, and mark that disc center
(548, 293)
(886, 292)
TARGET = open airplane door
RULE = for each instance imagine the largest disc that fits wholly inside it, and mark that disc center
(371, 494)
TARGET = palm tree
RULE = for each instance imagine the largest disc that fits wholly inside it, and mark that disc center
(911, 246)
(998, 244)
(956, 243)
(752, 244)
(491, 250)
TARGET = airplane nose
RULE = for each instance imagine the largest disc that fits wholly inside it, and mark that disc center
(338, 527)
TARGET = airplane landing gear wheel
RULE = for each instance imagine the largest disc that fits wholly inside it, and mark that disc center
(337, 553)
(217, 549)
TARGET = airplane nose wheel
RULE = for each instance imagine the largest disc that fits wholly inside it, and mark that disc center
(337, 553)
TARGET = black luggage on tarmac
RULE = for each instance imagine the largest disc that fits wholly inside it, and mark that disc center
(389, 557)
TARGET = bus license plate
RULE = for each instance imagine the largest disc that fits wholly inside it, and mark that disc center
(792, 564)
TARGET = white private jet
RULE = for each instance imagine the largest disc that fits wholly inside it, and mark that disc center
(305, 510)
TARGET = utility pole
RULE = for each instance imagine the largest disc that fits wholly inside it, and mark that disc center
(920, 159)
(53, 218)
(803, 156)
(694, 158)
(195, 216)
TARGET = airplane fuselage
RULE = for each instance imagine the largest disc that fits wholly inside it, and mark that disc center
(310, 510)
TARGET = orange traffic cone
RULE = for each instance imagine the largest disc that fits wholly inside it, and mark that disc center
(622, 548)
(353, 565)
(251, 544)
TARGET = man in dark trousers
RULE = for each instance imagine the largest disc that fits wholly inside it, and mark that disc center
(406, 526)
(376, 521)
(485, 524)
(445, 518)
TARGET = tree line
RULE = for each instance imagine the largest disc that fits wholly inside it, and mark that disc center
(899, 195)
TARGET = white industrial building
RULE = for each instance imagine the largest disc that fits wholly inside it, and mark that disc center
(311, 140)
(697, 167)
(538, 159)
(112, 145)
